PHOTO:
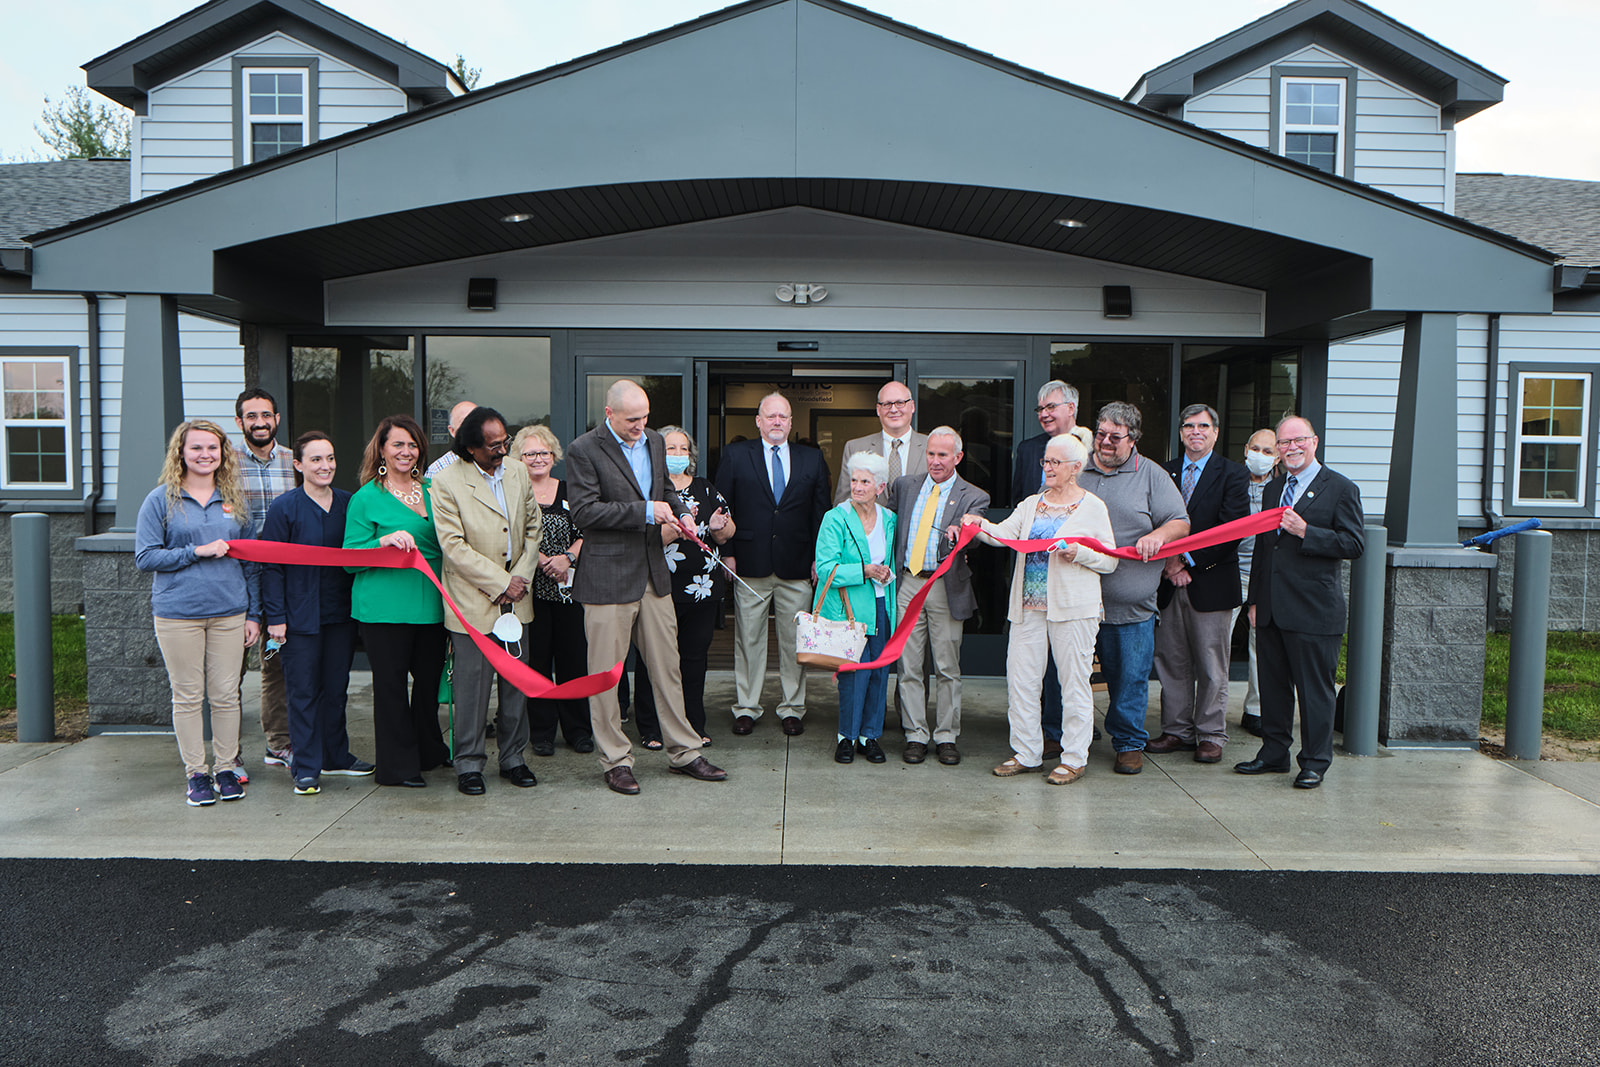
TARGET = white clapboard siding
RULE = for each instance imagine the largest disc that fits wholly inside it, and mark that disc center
(1240, 109)
(1472, 358)
(187, 133)
(1363, 376)
(1563, 338)
(722, 275)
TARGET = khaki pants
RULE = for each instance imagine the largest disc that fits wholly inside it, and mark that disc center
(787, 596)
(203, 662)
(652, 624)
(937, 632)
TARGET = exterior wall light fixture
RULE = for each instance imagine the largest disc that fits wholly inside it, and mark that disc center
(802, 293)
(1071, 224)
(516, 216)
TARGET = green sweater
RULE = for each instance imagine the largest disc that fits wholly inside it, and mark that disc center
(390, 594)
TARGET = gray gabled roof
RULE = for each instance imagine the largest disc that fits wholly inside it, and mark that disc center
(1560, 214)
(128, 72)
(1360, 33)
(39, 196)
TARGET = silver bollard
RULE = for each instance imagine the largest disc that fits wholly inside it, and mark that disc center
(36, 679)
(1364, 655)
(1530, 628)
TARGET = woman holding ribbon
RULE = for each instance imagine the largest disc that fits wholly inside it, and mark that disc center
(698, 584)
(207, 607)
(307, 612)
(1055, 608)
(400, 612)
(854, 548)
(556, 645)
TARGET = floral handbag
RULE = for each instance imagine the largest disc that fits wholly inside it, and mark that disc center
(828, 643)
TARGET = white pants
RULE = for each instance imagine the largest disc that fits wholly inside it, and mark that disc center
(1072, 644)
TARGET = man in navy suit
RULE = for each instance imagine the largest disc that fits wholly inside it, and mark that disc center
(1198, 593)
(777, 493)
(1297, 604)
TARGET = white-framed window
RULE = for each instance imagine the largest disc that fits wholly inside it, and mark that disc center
(35, 422)
(1552, 441)
(1312, 122)
(276, 111)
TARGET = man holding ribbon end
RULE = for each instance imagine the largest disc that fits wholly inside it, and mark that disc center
(1297, 605)
(927, 509)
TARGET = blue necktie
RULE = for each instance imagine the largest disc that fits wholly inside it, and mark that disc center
(1288, 491)
(778, 481)
(1190, 475)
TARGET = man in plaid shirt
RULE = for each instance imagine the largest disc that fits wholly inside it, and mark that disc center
(267, 469)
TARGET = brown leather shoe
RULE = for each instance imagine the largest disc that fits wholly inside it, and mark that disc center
(1011, 768)
(949, 754)
(915, 752)
(621, 780)
(1208, 752)
(1168, 743)
(1064, 775)
(701, 768)
(1129, 763)
(743, 724)
(1051, 748)
(792, 726)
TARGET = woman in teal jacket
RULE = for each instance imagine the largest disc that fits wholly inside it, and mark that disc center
(855, 546)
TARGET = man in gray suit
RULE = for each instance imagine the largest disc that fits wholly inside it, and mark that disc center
(896, 442)
(927, 509)
(618, 491)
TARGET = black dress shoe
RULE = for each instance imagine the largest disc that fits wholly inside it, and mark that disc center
(743, 724)
(544, 748)
(583, 744)
(1251, 724)
(621, 780)
(519, 776)
(470, 783)
(846, 752)
(1307, 780)
(792, 726)
(1260, 766)
(872, 751)
(410, 783)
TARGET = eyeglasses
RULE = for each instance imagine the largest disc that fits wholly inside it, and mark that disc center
(1053, 463)
(894, 403)
(1282, 441)
(1113, 438)
(1042, 408)
(537, 455)
(502, 445)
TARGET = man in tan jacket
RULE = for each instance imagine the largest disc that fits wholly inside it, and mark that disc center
(488, 526)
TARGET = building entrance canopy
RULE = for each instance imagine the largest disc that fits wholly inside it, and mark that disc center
(795, 103)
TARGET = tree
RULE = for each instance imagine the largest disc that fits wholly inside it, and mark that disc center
(468, 75)
(79, 128)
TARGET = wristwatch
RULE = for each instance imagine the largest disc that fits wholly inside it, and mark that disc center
(571, 559)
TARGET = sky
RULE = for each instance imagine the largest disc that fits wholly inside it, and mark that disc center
(1544, 48)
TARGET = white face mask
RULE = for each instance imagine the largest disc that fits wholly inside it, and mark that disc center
(1259, 463)
(508, 631)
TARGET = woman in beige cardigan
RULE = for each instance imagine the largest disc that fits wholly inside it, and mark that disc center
(1055, 607)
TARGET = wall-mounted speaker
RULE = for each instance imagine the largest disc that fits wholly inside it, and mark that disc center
(480, 294)
(1117, 301)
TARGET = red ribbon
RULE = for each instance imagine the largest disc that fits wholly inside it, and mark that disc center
(1238, 529)
(512, 670)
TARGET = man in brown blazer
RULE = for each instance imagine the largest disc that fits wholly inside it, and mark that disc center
(896, 442)
(488, 525)
(618, 491)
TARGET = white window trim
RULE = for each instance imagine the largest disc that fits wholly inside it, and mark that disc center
(304, 119)
(66, 423)
(1285, 128)
(1583, 503)
(243, 66)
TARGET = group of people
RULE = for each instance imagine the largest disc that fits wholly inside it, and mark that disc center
(635, 551)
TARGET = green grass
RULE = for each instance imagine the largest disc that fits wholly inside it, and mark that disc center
(1571, 684)
(71, 675)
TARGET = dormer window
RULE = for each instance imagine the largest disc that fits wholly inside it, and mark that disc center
(275, 105)
(1313, 122)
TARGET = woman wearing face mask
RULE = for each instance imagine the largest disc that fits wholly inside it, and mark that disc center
(307, 611)
(1261, 457)
(557, 648)
(698, 582)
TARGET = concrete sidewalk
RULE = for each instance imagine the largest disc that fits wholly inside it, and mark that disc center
(786, 801)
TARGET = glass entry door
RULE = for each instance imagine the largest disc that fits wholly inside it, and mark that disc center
(667, 382)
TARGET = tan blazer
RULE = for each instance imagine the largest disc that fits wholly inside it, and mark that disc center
(472, 536)
(913, 460)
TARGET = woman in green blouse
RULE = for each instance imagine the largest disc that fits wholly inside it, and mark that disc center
(400, 612)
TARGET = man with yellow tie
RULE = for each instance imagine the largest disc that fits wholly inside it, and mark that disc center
(927, 508)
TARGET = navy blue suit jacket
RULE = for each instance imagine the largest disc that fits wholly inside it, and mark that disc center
(1294, 582)
(773, 538)
(1025, 474)
(1221, 495)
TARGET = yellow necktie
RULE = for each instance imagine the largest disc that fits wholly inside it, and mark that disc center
(919, 544)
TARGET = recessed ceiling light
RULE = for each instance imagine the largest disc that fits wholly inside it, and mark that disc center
(1071, 224)
(516, 216)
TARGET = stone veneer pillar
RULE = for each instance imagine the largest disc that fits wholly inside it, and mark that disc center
(127, 677)
(1433, 647)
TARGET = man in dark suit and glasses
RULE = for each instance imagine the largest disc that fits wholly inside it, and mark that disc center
(1198, 593)
(1297, 604)
(778, 493)
(618, 490)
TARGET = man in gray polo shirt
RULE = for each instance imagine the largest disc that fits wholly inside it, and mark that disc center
(1146, 511)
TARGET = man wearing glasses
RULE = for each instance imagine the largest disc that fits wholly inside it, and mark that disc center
(1146, 511)
(1297, 604)
(905, 450)
(489, 525)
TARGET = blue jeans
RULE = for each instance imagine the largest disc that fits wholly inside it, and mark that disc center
(1050, 700)
(862, 693)
(1127, 653)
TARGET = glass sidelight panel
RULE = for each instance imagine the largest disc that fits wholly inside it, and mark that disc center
(509, 374)
(1107, 371)
(664, 390)
(344, 385)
